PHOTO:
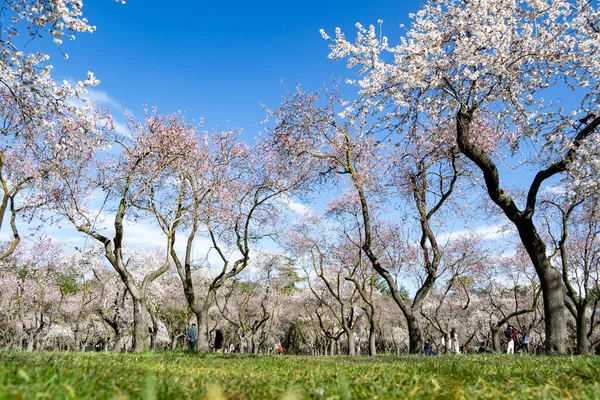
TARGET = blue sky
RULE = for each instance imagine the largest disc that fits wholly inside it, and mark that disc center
(216, 61)
(211, 59)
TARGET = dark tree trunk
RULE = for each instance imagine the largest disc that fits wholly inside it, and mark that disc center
(550, 278)
(415, 337)
(583, 346)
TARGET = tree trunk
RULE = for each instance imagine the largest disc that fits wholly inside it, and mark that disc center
(140, 326)
(77, 339)
(583, 347)
(415, 337)
(554, 311)
(203, 344)
(350, 341)
(174, 341)
(446, 343)
(372, 340)
(154, 332)
(550, 278)
(30, 340)
(118, 342)
(495, 330)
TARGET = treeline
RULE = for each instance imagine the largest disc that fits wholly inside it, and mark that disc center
(361, 199)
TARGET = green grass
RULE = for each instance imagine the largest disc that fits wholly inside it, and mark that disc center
(191, 376)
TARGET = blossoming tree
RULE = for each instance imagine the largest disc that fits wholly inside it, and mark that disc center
(461, 60)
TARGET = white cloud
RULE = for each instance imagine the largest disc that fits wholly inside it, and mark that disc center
(100, 97)
(555, 190)
(104, 100)
(297, 207)
(486, 232)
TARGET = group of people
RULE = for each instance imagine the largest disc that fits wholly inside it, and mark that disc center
(192, 337)
(517, 339)
(513, 337)
(453, 346)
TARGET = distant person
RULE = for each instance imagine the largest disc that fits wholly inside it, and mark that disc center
(280, 350)
(525, 342)
(231, 347)
(510, 334)
(192, 337)
(482, 349)
(454, 342)
(218, 341)
(427, 349)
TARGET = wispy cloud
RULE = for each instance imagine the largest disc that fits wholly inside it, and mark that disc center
(297, 207)
(117, 109)
(486, 232)
(100, 97)
(555, 190)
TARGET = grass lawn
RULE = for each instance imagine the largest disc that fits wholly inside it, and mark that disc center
(175, 375)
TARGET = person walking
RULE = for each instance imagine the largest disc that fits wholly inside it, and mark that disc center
(192, 337)
(219, 341)
(510, 337)
(515, 335)
(454, 349)
(427, 348)
(525, 342)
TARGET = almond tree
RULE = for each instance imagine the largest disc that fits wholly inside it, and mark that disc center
(353, 262)
(113, 309)
(248, 310)
(330, 328)
(78, 296)
(36, 293)
(251, 303)
(573, 227)
(124, 176)
(325, 260)
(365, 281)
(43, 122)
(510, 302)
(421, 170)
(462, 60)
(464, 257)
(227, 191)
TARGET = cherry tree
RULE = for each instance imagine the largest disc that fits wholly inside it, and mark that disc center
(422, 169)
(124, 176)
(43, 123)
(229, 192)
(573, 223)
(460, 61)
(34, 302)
(512, 292)
(114, 309)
